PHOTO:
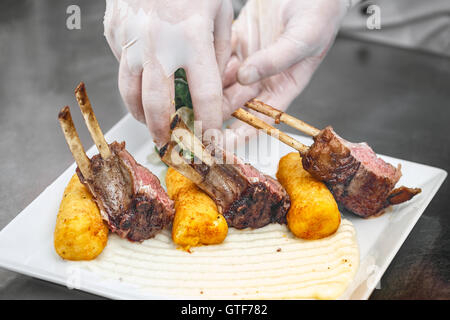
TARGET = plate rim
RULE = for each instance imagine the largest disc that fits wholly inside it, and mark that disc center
(102, 291)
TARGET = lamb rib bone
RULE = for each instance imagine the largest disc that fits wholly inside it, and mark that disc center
(280, 116)
(91, 121)
(73, 141)
(254, 121)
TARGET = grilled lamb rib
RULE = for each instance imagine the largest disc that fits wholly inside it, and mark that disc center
(129, 196)
(359, 180)
(244, 196)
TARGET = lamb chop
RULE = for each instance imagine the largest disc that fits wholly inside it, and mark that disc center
(244, 196)
(130, 198)
(360, 181)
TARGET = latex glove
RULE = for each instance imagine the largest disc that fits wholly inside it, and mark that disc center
(152, 39)
(277, 46)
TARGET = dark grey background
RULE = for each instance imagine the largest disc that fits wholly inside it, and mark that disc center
(397, 100)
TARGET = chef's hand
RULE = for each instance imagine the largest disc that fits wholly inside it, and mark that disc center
(152, 39)
(277, 46)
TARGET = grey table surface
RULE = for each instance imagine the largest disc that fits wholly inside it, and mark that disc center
(397, 100)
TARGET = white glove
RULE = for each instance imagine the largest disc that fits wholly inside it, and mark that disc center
(277, 46)
(152, 39)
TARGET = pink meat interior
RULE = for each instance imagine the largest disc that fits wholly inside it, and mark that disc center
(144, 178)
(363, 153)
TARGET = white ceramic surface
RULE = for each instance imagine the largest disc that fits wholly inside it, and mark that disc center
(26, 243)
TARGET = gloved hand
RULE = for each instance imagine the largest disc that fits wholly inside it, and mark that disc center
(152, 39)
(277, 46)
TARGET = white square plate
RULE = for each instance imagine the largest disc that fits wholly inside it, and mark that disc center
(26, 243)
